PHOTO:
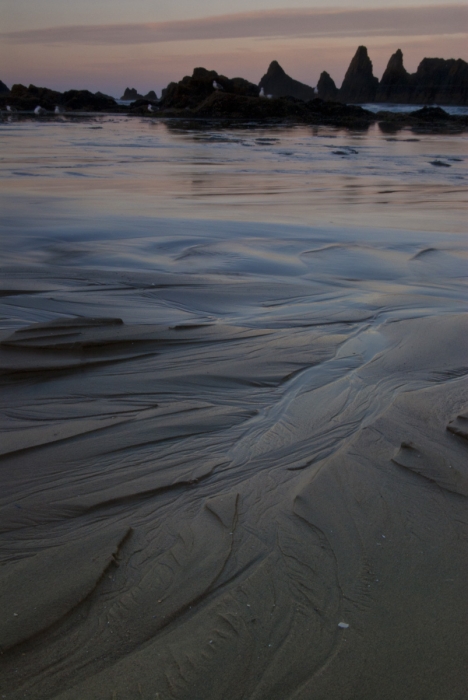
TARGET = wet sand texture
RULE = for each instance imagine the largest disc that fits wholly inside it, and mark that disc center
(156, 554)
(234, 455)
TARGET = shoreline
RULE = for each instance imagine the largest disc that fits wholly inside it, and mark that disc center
(428, 119)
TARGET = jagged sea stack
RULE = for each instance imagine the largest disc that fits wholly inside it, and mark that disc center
(440, 81)
(277, 83)
(395, 85)
(326, 88)
(3, 88)
(131, 94)
(359, 84)
(192, 90)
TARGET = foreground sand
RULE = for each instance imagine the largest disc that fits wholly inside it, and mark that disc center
(188, 549)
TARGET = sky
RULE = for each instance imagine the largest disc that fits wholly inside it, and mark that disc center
(108, 45)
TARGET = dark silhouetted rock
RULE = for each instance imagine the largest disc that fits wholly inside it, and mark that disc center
(144, 107)
(425, 120)
(328, 112)
(193, 90)
(103, 94)
(85, 101)
(431, 114)
(277, 83)
(28, 98)
(359, 84)
(439, 81)
(225, 105)
(326, 88)
(3, 88)
(234, 107)
(396, 84)
(131, 94)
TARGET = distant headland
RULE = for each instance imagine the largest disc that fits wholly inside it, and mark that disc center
(207, 94)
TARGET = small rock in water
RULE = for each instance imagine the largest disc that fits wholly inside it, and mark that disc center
(440, 164)
(343, 625)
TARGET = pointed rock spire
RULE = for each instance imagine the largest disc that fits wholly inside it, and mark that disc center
(326, 88)
(395, 85)
(279, 84)
(359, 84)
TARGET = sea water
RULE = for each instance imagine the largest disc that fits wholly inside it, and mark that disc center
(116, 193)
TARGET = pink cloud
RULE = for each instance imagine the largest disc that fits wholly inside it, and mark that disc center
(403, 21)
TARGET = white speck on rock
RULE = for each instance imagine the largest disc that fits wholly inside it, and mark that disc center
(343, 625)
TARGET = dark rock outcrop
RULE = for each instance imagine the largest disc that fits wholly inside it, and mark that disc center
(359, 84)
(440, 81)
(28, 98)
(277, 83)
(425, 120)
(83, 100)
(430, 114)
(103, 94)
(326, 88)
(144, 107)
(437, 81)
(240, 107)
(3, 88)
(131, 94)
(234, 107)
(193, 90)
(395, 85)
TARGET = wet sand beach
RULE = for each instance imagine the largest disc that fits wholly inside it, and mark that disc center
(234, 412)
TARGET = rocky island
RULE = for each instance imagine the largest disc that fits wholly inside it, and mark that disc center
(131, 94)
(436, 82)
(207, 94)
(277, 83)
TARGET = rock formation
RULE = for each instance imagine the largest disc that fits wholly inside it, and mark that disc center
(86, 101)
(103, 94)
(439, 81)
(326, 88)
(131, 94)
(28, 98)
(359, 84)
(193, 90)
(277, 83)
(3, 88)
(395, 85)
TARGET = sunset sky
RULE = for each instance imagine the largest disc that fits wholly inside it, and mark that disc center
(108, 45)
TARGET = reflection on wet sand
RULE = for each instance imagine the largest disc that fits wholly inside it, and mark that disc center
(235, 452)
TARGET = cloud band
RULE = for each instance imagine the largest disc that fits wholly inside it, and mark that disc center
(404, 21)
